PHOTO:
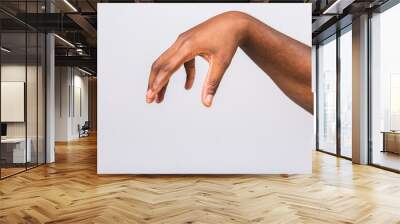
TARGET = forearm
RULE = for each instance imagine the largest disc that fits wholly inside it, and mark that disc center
(285, 60)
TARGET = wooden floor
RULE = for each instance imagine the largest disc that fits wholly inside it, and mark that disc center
(70, 191)
(5, 172)
(386, 159)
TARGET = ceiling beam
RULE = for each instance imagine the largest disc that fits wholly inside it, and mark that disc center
(82, 61)
(86, 26)
(337, 6)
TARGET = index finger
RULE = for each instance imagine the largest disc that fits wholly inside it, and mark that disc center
(163, 69)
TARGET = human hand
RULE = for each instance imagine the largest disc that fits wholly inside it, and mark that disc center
(216, 40)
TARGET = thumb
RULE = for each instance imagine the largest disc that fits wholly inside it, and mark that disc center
(215, 73)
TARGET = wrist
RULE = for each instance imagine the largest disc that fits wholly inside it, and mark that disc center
(240, 23)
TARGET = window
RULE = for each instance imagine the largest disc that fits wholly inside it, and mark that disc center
(327, 95)
(346, 92)
(385, 89)
(22, 77)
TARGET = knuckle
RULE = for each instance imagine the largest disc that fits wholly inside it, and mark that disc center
(187, 43)
(182, 36)
(155, 66)
(234, 13)
(213, 85)
(185, 40)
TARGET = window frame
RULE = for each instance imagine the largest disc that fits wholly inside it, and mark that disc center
(334, 37)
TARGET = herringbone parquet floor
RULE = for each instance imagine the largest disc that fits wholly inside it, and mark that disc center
(70, 191)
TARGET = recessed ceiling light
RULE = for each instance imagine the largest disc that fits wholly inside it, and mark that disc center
(70, 5)
(84, 71)
(337, 7)
(65, 41)
(5, 50)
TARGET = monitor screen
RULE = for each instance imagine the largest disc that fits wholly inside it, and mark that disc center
(3, 129)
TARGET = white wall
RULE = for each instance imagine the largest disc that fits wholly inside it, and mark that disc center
(79, 117)
(252, 127)
(62, 81)
(67, 84)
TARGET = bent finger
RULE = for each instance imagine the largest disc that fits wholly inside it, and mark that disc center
(190, 69)
(215, 73)
(161, 94)
(156, 67)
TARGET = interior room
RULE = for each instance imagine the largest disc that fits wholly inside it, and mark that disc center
(55, 167)
(385, 90)
(22, 103)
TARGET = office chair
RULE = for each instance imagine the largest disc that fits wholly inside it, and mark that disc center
(84, 130)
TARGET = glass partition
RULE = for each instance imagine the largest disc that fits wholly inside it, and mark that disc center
(327, 95)
(346, 92)
(32, 96)
(385, 89)
(14, 155)
(31, 86)
(22, 101)
(41, 107)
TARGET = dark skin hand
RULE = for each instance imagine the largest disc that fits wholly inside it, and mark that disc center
(285, 60)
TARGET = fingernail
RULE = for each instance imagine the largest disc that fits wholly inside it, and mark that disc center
(149, 93)
(158, 100)
(209, 99)
(149, 98)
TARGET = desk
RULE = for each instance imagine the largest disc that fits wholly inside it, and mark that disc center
(13, 150)
(391, 141)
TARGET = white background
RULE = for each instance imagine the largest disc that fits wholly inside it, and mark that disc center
(252, 127)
